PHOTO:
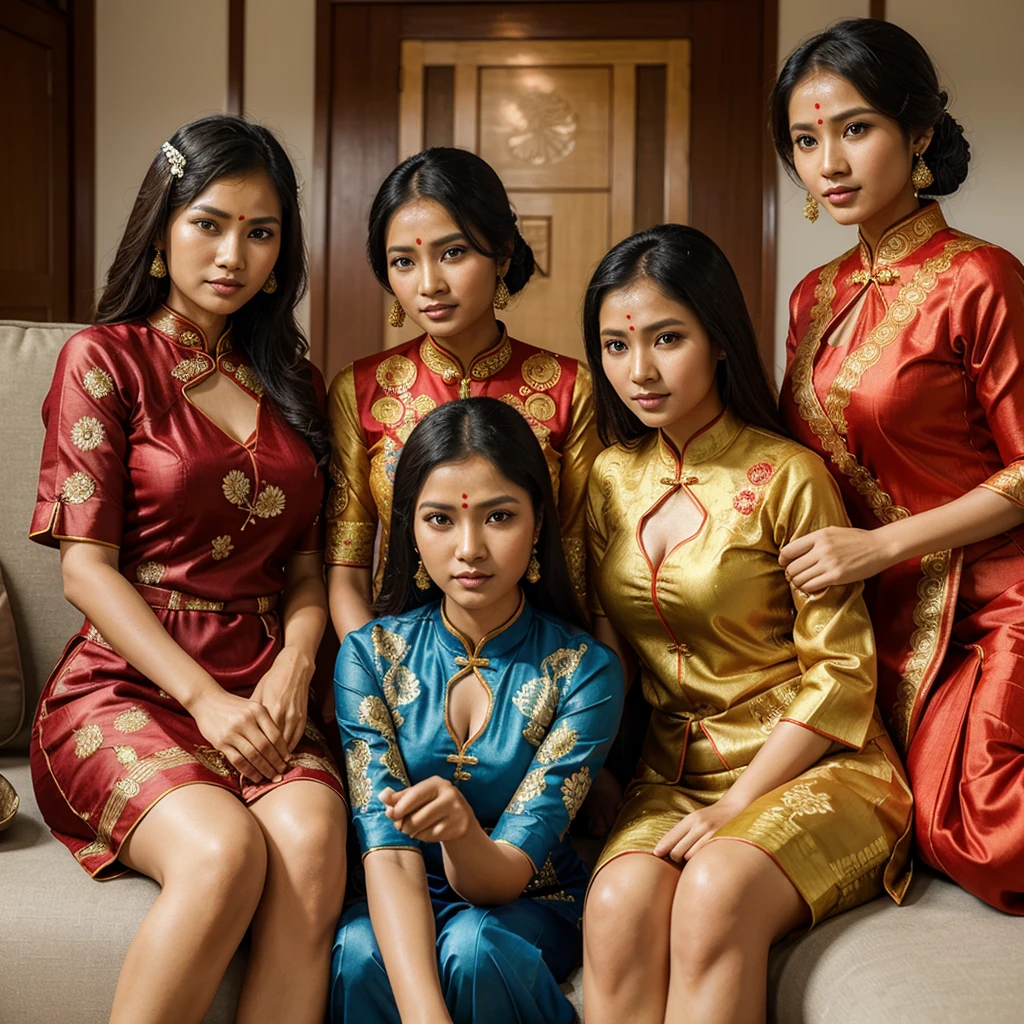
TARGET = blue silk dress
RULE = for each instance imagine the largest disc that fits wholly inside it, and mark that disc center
(555, 699)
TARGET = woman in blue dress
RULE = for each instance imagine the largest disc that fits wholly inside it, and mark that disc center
(474, 714)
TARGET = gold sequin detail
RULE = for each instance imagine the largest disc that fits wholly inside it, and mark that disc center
(531, 787)
(88, 740)
(557, 744)
(78, 487)
(189, 368)
(541, 407)
(357, 761)
(542, 371)
(87, 433)
(574, 791)
(396, 373)
(214, 760)
(98, 383)
(387, 411)
(374, 712)
(247, 376)
(131, 720)
(399, 684)
(126, 754)
(150, 573)
(222, 547)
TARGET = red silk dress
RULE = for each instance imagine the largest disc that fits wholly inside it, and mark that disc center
(906, 372)
(203, 525)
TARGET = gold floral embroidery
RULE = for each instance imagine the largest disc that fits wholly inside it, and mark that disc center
(150, 573)
(269, 503)
(439, 362)
(374, 712)
(337, 501)
(227, 366)
(236, 487)
(88, 740)
(538, 698)
(191, 339)
(399, 684)
(557, 744)
(350, 543)
(247, 376)
(87, 433)
(769, 707)
(396, 373)
(801, 800)
(532, 786)
(126, 754)
(202, 604)
(540, 407)
(189, 368)
(214, 760)
(357, 761)
(78, 487)
(488, 365)
(574, 791)
(131, 720)
(546, 878)
(387, 411)
(423, 404)
(222, 547)
(541, 371)
(98, 383)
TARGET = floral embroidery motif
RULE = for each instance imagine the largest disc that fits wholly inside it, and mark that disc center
(214, 760)
(357, 761)
(769, 707)
(745, 502)
(126, 754)
(541, 371)
(247, 376)
(222, 547)
(88, 740)
(396, 373)
(191, 339)
(374, 712)
(557, 744)
(98, 383)
(538, 698)
(270, 502)
(575, 790)
(337, 501)
(131, 720)
(351, 543)
(546, 878)
(78, 487)
(189, 368)
(531, 787)
(87, 434)
(150, 573)
(760, 474)
(540, 407)
(399, 684)
(801, 800)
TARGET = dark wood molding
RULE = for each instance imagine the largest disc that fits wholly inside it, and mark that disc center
(317, 217)
(877, 10)
(769, 193)
(236, 57)
(83, 159)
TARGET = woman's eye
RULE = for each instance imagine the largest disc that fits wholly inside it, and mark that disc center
(401, 262)
(261, 234)
(666, 339)
(205, 225)
(614, 345)
(453, 252)
(500, 516)
(437, 519)
(856, 129)
(804, 141)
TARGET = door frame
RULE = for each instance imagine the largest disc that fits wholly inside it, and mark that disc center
(357, 122)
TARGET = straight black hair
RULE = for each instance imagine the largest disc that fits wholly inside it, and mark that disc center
(265, 328)
(451, 433)
(472, 194)
(690, 269)
(894, 73)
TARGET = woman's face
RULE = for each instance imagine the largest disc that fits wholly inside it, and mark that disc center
(444, 285)
(658, 357)
(475, 531)
(222, 246)
(852, 159)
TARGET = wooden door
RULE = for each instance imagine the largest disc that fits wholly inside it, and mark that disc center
(558, 121)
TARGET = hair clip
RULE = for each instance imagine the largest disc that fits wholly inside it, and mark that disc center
(175, 159)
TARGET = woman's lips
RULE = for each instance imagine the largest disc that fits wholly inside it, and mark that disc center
(650, 402)
(472, 582)
(438, 312)
(225, 287)
(844, 196)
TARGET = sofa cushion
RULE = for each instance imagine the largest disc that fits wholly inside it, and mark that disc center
(43, 619)
(12, 685)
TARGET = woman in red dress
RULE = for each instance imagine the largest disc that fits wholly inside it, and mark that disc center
(906, 372)
(182, 479)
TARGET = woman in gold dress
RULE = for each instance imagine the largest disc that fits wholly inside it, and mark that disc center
(763, 727)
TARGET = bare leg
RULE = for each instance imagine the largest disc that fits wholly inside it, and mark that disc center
(626, 940)
(207, 853)
(731, 903)
(289, 962)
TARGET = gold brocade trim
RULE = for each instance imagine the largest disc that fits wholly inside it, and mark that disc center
(396, 374)
(399, 684)
(931, 599)
(357, 761)
(96, 637)
(906, 237)
(247, 377)
(214, 760)
(374, 712)
(813, 414)
(98, 383)
(491, 363)
(88, 740)
(189, 368)
(576, 561)
(150, 573)
(541, 371)
(87, 433)
(529, 789)
(202, 604)
(78, 488)
(1008, 482)
(574, 791)
(439, 362)
(184, 332)
(897, 317)
(351, 543)
(557, 744)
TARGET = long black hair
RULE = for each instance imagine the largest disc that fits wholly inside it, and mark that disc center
(451, 433)
(894, 73)
(468, 188)
(265, 328)
(690, 269)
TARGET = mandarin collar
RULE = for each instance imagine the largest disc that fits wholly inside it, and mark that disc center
(448, 367)
(706, 444)
(903, 239)
(185, 333)
(494, 644)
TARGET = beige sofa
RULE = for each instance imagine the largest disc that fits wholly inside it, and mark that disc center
(942, 957)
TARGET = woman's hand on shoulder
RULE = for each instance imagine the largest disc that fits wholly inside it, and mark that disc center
(284, 692)
(833, 556)
(433, 811)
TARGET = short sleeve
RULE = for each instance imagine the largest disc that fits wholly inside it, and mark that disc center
(569, 756)
(351, 510)
(597, 534)
(82, 475)
(311, 540)
(369, 740)
(832, 632)
(987, 325)
(792, 341)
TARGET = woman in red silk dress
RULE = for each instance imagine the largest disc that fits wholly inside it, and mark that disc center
(182, 479)
(906, 371)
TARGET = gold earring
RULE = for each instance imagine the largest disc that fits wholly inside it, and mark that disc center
(922, 176)
(811, 208)
(502, 296)
(158, 268)
(422, 577)
(533, 569)
(270, 285)
(397, 315)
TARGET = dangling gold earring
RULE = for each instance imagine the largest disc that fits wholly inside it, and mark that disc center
(501, 295)
(397, 315)
(533, 569)
(158, 268)
(811, 208)
(270, 285)
(922, 176)
(422, 577)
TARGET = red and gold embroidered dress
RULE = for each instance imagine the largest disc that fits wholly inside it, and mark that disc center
(906, 371)
(375, 402)
(204, 526)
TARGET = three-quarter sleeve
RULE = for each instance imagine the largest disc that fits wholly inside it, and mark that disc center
(369, 740)
(351, 511)
(582, 446)
(987, 323)
(82, 474)
(597, 534)
(311, 540)
(570, 755)
(832, 633)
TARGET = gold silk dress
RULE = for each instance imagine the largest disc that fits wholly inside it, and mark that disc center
(728, 650)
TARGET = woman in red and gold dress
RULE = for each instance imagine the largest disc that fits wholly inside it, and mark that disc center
(906, 371)
(443, 239)
(181, 478)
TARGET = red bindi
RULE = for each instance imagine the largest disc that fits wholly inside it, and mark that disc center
(464, 505)
(419, 241)
(628, 317)
(817, 106)
(465, 496)
(241, 216)
(820, 121)
(631, 327)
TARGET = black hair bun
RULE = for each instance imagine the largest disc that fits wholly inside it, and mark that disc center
(947, 157)
(521, 264)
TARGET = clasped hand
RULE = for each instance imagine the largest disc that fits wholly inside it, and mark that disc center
(433, 810)
(832, 556)
(696, 830)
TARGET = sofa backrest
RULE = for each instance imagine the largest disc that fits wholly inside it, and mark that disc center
(43, 619)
